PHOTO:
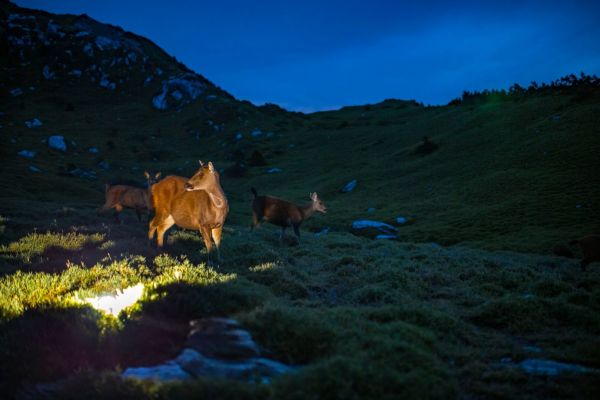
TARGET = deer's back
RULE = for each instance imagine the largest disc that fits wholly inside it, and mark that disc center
(128, 196)
(166, 190)
(277, 211)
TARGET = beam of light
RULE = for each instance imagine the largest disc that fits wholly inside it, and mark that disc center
(114, 304)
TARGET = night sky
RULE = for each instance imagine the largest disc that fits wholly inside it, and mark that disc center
(316, 55)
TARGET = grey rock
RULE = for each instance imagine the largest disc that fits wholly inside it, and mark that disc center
(401, 220)
(104, 165)
(48, 74)
(389, 237)
(26, 153)
(57, 142)
(93, 150)
(348, 187)
(33, 168)
(169, 371)
(34, 123)
(367, 223)
(274, 170)
(553, 368)
(16, 92)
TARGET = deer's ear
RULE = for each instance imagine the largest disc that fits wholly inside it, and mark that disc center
(157, 175)
(314, 196)
(146, 174)
(201, 163)
(211, 167)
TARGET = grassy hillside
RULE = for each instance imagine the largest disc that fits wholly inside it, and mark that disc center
(448, 310)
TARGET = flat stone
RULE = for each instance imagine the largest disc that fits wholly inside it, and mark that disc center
(168, 371)
(348, 187)
(553, 368)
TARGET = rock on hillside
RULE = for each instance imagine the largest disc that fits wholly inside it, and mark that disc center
(42, 47)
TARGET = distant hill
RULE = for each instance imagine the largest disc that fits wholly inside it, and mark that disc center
(513, 169)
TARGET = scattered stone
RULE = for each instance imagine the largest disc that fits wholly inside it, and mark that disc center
(553, 368)
(370, 210)
(106, 43)
(382, 227)
(348, 187)
(183, 89)
(401, 220)
(105, 83)
(555, 118)
(88, 49)
(390, 237)
(26, 153)
(34, 123)
(168, 371)
(256, 133)
(48, 74)
(218, 348)
(33, 168)
(57, 142)
(82, 173)
(93, 150)
(76, 73)
(16, 92)
(532, 349)
(322, 232)
(104, 165)
(239, 136)
(274, 170)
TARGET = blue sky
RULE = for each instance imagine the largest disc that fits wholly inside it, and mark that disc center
(315, 55)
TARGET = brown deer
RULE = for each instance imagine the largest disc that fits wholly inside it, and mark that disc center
(125, 196)
(195, 203)
(283, 213)
(590, 247)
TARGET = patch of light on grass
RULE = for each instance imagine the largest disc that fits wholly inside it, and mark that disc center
(114, 304)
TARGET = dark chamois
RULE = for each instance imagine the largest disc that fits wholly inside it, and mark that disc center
(197, 203)
(283, 213)
(590, 247)
(125, 196)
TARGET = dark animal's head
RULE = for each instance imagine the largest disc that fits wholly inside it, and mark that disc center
(318, 205)
(205, 178)
(152, 179)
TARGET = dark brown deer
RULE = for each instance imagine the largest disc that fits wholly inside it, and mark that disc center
(125, 196)
(283, 213)
(197, 203)
(590, 247)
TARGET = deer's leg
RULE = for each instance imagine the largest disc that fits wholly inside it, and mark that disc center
(152, 225)
(282, 233)
(255, 221)
(162, 228)
(297, 231)
(118, 209)
(206, 235)
(216, 235)
(139, 214)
